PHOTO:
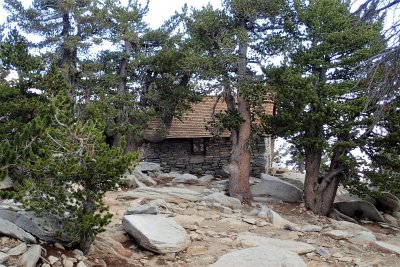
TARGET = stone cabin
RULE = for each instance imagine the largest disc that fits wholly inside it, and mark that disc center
(189, 147)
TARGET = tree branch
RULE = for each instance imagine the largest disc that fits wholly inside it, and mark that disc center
(328, 177)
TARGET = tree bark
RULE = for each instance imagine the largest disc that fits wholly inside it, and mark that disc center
(320, 192)
(239, 167)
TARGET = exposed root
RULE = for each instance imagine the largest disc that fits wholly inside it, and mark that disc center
(338, 216)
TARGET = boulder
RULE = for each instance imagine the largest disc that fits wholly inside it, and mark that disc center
(277, 188)
(230, 202)
(345, 196)
(144, 178)
(31, 257)
(6, 183)
(204, 180)
(161, 193)
(142, 209)
(385, 202)
(43, 227)
(148, 166)
(359, 209)
(263, 256)
(130, 181)
(156, 233)
(167, 177)
(294, 178)
(10, 229)
(186, 178)
(274, 218)
(253, 240)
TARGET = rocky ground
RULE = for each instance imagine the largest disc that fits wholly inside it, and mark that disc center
(203, 227)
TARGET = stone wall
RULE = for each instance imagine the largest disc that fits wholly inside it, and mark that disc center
(175, 155)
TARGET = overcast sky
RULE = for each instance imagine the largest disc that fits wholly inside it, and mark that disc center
(159, 10)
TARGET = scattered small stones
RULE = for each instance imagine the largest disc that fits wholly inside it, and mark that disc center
(53, 259)
(323, 252)
(196, 250)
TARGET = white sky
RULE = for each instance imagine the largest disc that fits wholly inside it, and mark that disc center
(159, 10)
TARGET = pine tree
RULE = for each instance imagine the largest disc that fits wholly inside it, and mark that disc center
(227, 42)
(22, 110)
(61, 164)
(66, 30)
(321, 106)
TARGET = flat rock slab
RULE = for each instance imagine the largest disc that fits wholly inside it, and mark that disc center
(142, 209)
(186, 178)
(337, 234)
(387, 247)
(253, 240)
(167, 177)
(359, 209)
(223, 200)
(277, 188)
(310, 228)
(260, 257)
(18, 250)
(161, 193)
(31, 257)
(363, 238)
(156, 233)
(348, 226)
(9, 229)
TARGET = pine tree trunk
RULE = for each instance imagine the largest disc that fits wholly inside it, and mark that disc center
(87, 239)
(317, 200)
(239, 167)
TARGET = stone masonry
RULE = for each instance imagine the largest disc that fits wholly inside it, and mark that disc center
(175, 155)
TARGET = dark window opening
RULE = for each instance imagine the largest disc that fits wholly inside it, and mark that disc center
(198, 146)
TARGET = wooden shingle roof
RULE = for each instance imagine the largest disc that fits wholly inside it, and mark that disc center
(193, 123)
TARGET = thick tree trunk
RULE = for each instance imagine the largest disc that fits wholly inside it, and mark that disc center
(239, 167)
(319, 192)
